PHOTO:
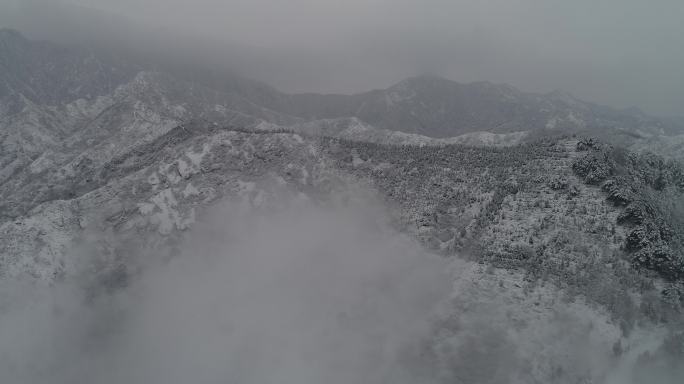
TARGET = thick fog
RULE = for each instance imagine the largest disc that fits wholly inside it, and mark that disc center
(617, 52)
(305, 296)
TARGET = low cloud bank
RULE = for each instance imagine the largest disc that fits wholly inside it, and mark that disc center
(304, 296)
(313, 295)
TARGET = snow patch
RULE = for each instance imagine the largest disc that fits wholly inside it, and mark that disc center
(190, 190)
(167, 218)
(196, 157)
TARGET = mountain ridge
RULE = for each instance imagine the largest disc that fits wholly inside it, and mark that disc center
(427, 104)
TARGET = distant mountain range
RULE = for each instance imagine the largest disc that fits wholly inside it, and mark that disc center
(425, 105)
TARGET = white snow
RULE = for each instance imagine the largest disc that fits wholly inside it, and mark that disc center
(190, 190)
(196, 157)
(168, 217)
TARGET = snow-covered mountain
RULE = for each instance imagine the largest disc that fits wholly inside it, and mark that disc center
(47, 74)
(101, 157)
(437, 107)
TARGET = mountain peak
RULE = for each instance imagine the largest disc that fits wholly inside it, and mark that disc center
(419, 81)
(9, 34)
(562, 95)
(432, 80)
(11, 42)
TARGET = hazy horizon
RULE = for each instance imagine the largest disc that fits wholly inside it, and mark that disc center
(605, 56)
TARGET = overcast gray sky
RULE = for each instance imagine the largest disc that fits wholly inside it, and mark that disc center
(616, 52)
